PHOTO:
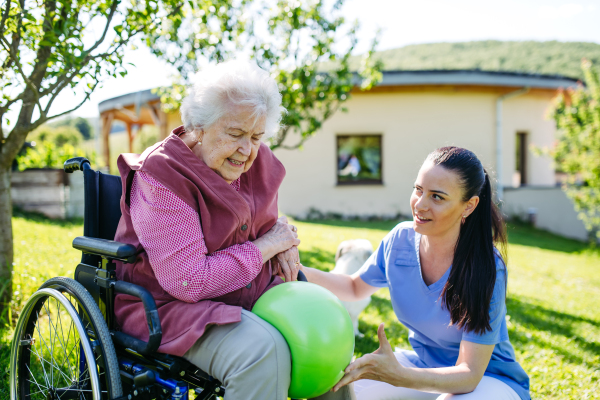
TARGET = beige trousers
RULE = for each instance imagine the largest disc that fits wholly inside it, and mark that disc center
(488, 389)
(251, 359)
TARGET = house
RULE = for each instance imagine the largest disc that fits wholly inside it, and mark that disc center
(363, 163)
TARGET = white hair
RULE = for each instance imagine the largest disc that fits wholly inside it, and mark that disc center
(233, 83)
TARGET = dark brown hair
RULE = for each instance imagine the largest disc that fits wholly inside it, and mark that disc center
(470, 286)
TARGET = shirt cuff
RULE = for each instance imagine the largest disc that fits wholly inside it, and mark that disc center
(485, 339)
(255, 257)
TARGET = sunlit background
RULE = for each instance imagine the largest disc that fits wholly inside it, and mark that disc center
(402, 23)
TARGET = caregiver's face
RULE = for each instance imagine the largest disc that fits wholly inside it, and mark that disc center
(229, 146)
(436, 202)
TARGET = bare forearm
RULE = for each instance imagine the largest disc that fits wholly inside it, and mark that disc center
(340, 285)
(383, 366)
(455, 380)
(267, 250)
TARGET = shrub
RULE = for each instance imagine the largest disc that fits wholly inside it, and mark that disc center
(49, 155)
(59, 136)
(577, 152)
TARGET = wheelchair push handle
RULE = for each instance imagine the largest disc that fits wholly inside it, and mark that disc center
(76, 164)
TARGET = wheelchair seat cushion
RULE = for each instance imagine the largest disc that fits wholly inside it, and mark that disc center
(227, 218)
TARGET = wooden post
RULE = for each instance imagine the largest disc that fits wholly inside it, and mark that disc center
(159, 118)
(107, 119)
(163, 128)
(130, 137)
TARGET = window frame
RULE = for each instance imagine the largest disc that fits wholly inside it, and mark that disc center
(363, 182)
(521, 156)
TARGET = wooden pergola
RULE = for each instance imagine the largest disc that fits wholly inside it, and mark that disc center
(135, 110)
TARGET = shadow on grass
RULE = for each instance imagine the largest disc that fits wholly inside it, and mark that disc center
(41, 218)
(318, 258)
(537, 318)
(526, 235)
(381, 310)
(533, 317)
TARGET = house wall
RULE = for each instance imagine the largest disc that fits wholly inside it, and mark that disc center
(412, 125)
(527, 113)
(553, 210)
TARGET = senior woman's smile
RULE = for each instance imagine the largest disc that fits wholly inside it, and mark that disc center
(229, 147)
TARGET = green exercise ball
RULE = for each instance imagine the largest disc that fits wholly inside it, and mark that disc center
(318, 331)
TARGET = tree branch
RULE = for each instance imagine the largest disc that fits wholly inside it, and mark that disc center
(87, 97)
(113, 9)
(32, 86)
(16, 38)
(5, 15)
(16, 139)
(61, 83)
(13, 144)
(280, 138)
(303, 135)
(297, 145)
(10, 102)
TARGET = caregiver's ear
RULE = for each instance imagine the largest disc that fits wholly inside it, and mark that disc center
(471, 205)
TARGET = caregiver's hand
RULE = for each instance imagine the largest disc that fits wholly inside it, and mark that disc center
(280, 238)
(381, 365)
(287, 264)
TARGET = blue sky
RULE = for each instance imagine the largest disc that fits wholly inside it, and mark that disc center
(406, 22)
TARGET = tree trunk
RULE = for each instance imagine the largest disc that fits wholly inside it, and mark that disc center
(6, 245)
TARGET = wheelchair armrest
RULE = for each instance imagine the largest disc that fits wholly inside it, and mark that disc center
(154, 328)
(105, 248)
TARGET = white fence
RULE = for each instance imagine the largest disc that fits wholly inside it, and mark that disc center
(51, 192)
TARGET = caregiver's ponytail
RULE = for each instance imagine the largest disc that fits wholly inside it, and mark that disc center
(468, 291)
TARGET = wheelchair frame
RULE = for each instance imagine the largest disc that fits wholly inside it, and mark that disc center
(144, 373)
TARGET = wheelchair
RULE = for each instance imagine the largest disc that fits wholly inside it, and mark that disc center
(65, 344)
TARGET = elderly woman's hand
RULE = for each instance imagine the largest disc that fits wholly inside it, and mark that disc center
(280, 238)
(287, 264)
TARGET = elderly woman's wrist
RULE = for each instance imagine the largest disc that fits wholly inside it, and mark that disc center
(265, 247)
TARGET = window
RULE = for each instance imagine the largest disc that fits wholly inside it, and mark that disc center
(521, 159)
(359, 159)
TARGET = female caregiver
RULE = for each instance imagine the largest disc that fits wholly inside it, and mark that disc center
(447, 284)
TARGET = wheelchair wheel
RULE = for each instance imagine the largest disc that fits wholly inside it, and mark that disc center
(62, 348)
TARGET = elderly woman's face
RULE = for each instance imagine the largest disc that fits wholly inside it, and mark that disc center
(229, 147)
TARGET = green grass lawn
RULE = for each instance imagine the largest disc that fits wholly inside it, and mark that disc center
(553, 303)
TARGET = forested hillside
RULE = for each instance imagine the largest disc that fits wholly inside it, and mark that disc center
(563, 58)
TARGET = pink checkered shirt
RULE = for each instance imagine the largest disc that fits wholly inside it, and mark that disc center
(171, 234)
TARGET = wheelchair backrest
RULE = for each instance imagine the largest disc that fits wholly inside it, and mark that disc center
(102, 212)
(102, 193)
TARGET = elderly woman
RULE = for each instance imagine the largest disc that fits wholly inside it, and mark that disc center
(201, 207)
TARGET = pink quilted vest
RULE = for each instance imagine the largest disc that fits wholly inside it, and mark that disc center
(227, 218)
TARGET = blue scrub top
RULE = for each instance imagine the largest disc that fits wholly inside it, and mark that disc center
(396, 265)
